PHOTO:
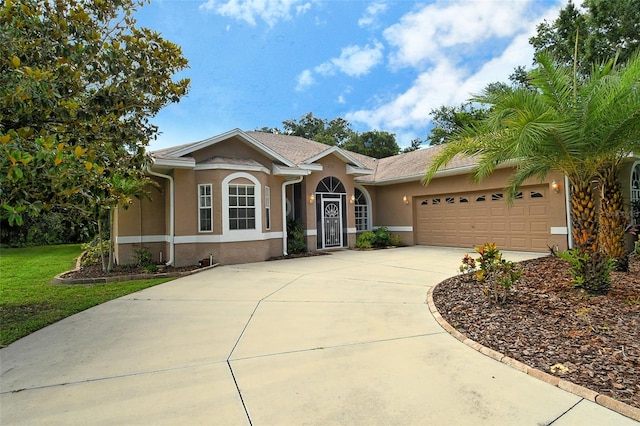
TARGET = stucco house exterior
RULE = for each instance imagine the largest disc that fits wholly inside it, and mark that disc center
(229, 198)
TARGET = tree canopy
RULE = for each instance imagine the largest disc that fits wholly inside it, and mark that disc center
(79, 83)
(338, 132)
(604, 28)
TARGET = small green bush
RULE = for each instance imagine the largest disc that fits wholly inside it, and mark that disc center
(366, 239)
(296, 241)
(496, 275)
(382, 237)
(591, 272)
(92, 254)
(396, 240)
(143, 257)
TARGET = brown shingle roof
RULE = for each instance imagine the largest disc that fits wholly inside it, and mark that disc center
(407, 166)
(294, 148)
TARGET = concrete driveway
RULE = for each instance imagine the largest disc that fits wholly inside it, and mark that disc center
(345, 338)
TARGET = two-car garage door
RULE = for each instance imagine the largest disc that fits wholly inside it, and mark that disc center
(474, 218)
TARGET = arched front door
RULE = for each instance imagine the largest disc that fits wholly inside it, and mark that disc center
(331, 215)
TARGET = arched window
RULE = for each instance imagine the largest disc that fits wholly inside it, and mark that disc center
(241, 205)
(362, 211)
(331, 185)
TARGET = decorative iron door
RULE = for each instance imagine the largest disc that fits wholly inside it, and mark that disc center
(331, 223)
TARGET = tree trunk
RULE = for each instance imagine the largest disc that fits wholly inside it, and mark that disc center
(101, 246)
(592, 270)
(583, 217)
(613, 218)
(111, 236)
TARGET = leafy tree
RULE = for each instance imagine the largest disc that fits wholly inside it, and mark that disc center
(335, 132)
(447, 120)
(415, 145)
(377, 144)
(605, 28)
(79, 83)
(575, 127)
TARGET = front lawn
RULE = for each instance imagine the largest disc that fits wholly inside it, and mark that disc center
(28, 301)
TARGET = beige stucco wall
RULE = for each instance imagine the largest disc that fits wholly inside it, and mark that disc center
(145, 216)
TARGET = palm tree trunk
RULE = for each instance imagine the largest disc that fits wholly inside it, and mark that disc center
(584, 217)
(591, 267)
(613, 218)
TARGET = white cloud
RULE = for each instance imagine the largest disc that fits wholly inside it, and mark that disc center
(436, 30)
(452, 46)
(270, 11)
(371, 13)
(354, 61)
(305, 79)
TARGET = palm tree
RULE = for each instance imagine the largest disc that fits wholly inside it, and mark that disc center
(564, 124)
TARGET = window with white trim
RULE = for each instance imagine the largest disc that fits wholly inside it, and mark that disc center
(362, 211)
(205, 208)
(267, 206)
(242, 207)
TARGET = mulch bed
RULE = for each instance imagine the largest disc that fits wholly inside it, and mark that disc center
(95, 271)
(548, 323)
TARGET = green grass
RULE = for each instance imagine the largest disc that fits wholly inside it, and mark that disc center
(28, 300)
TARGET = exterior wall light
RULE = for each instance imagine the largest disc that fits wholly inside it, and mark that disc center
(352, 199)
(312, 198)
(405, 199)
(555, 187)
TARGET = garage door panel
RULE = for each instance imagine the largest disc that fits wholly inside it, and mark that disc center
(518, 243)
(539, 226)
(518, 226)
(449, 222)
(538, 210)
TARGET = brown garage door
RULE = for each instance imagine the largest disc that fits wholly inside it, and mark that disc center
(474, 218)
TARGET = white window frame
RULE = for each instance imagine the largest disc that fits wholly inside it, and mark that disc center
(363, 212)
(202, 205)
(246, 202)
(241, 234)
(267, 207)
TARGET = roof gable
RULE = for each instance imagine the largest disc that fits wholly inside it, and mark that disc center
(188, 149)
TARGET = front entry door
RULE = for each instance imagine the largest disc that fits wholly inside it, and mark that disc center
(331, 222)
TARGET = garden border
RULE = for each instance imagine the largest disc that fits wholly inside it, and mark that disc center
(591, 395)
(58, 279)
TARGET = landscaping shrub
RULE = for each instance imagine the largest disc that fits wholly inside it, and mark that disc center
(296, 241)
(366, 239)
(92, 255)
(590, 271)
(396, 240)
(496, 275)
(381, 237)
(143, 257)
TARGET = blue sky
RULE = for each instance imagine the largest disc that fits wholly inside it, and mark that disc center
(381, 65)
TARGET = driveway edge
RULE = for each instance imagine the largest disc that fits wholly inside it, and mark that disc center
(603, 400)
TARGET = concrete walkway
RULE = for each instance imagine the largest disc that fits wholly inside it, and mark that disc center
(340, 339)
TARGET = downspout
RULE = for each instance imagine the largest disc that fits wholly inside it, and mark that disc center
(567, 192)
(284, 211)
(169, 261)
